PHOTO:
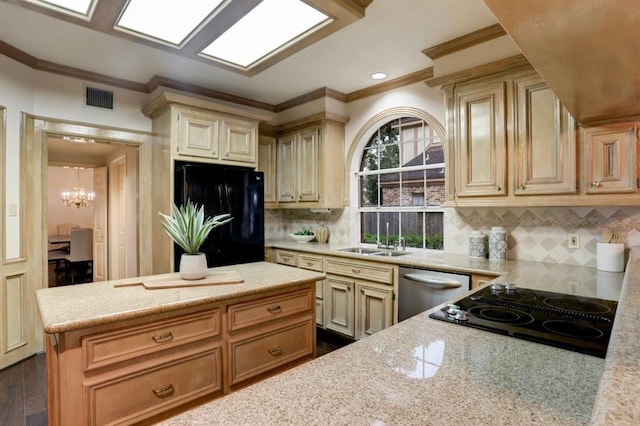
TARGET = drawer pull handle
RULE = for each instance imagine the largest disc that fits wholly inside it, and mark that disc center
(275, 309)
(355, 270)
(595, 184)
(164, 392)
(163, 338)
(309, 263)
(275, 351)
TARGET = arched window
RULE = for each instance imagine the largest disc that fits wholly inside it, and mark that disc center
(401, 185)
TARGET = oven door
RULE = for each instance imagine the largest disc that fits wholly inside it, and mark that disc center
(420, 289)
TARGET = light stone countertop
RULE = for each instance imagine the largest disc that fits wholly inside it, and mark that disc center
(80, 306)
(424, 371)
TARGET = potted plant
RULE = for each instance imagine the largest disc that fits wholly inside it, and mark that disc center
(188, 228)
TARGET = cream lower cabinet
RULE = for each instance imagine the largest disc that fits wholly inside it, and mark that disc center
(144, 370)
(358, 297)
(311, 262)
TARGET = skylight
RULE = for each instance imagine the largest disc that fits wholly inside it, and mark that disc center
(78, 6)
(269, 26)
(171, 20)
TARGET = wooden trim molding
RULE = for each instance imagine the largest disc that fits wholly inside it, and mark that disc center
(465, 41)
(3, 162)
(308, 97)
(405, 80)
(306, 121)
(506, 64)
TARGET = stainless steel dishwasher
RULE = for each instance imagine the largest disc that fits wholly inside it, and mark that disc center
(421, 289)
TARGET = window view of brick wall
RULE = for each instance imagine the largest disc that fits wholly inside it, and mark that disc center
(402, 185)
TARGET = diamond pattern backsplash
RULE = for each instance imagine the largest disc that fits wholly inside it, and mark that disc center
(533, 233)
(540, 233)
(279, 223)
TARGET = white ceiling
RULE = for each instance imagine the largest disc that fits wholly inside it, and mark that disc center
(389, 38)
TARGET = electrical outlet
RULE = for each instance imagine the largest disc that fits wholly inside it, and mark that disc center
(574, 241)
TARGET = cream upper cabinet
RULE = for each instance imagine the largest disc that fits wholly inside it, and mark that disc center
(238, 139)
(310, 163)
(611, 161)
(198, 135)
(545, 141)
(512, 143)
(267, 164)
(480, 139)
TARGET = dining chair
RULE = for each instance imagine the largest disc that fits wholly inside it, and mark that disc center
(80, 258)
(63, 229)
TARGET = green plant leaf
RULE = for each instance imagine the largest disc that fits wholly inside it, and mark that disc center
(187, 226)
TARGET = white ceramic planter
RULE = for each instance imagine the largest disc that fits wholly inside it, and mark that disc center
(193, 266)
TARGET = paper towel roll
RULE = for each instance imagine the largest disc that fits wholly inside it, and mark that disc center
(610, 257)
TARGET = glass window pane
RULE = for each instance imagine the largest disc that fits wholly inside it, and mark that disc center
(433, 223)
(412, 229)
(369, 191)
(390, 189)
(389, 228)
(369, 227)
(389, 156)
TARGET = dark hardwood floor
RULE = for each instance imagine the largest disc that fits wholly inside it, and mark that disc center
(23, 393)
(23, 387)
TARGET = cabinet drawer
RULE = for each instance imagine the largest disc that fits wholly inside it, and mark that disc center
(249, 314)
(104, 349)
(266, 351)
(134, 397)
(313, 263)
(380, 273)
(287, 258)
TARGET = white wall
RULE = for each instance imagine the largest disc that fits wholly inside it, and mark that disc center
(44, 94)
(61, 179)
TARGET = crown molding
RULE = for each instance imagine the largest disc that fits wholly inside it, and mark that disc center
(510, 63)
(405, 80)
(465, 41)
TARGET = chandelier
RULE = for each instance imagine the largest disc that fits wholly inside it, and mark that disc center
(79, 197)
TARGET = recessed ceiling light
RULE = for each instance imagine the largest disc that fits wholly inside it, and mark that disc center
(269, 26)
(378, 75)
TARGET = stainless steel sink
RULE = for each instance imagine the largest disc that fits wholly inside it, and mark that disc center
(360, 250)
(390, 253)
(373, 251)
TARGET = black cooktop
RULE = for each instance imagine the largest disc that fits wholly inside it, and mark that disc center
(581, 324)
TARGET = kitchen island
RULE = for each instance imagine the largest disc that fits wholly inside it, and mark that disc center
(128, 354)
(423, 371)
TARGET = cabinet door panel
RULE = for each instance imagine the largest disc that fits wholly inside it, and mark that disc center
(610, 155)
(309, 165)
(286, 169)
(267, 165)
(238, 139)
(199, 135)
(481, 140)
(545, 141)
(374, 307)
(339, 305)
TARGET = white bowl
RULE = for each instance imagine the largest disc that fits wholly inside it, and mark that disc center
(302, 238)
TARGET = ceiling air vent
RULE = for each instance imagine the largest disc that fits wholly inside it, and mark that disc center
(98, 98)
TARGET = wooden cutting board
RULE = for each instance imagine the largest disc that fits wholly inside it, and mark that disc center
(174, 280)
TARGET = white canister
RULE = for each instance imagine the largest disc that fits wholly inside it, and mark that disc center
(610, 257)
(477, 245)
(497, 243)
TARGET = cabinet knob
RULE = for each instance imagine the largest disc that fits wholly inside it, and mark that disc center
(522, 187)
(498, 188)
(164, 392)
(275, 351)
(355, 270)
(275, 309)
(163, 338)
(595, 184)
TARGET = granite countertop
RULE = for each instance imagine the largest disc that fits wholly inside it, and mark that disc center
(75, 307)
(423, 371)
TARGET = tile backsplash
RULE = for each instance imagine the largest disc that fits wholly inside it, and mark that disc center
(279, 223)
(540, 233)
(534, 233)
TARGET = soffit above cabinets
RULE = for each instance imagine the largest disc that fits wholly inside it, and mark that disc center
(587, 51)
(214, 31)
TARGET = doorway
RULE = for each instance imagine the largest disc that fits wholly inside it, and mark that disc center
(108, 171)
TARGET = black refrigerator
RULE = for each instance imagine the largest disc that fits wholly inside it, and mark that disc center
(225, 189)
